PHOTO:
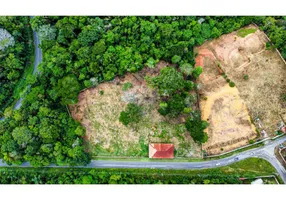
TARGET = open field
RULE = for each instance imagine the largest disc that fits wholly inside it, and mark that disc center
(259, 76)
(99, 109)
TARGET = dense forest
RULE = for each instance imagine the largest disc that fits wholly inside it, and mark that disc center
(16, 46)
(81, 52)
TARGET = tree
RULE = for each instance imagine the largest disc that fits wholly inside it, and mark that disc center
(196, 127)
(22, 135)
(176, 59)
(68, 89)
(197, 72)
(47, 32)
(187, 69)
(168, 82)
(132, 114)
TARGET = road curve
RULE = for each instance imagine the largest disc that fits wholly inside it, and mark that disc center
(266, 152)
(38, 60)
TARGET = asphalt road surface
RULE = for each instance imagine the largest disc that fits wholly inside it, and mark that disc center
(38, 60)
(266, 152)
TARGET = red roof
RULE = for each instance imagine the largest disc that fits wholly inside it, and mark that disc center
(158, 150)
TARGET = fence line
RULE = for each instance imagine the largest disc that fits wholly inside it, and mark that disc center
(269, 176)
(238, 148)
(281, 154)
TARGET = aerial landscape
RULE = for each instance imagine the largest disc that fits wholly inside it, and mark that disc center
(142, 100)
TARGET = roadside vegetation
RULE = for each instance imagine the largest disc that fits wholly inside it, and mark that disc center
(16, 48)
(249, 168)
(81, 52)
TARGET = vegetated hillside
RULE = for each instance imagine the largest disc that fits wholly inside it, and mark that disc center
(15, 49)
(249, 168)
(80, 52)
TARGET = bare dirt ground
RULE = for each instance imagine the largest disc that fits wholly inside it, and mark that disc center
(229, 110)
(106, 136)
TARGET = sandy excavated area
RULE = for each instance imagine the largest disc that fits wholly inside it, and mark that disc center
(266, 72)
(222, 107)
(107, 136)
(228, 110)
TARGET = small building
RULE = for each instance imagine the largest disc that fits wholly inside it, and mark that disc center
(158, 150)
(283, 129)
(257, 182)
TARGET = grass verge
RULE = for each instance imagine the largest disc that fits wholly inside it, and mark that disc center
(246, 31)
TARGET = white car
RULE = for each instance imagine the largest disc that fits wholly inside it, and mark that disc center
(218, 164)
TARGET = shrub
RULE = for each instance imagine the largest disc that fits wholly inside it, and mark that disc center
(196, 127)
(245, 77)
(132, 114)
(283, 97)
(267, 46)
(168, 82)
(176, 105)
(176, 59)
(231, 84)
(127, 86)
(163, 110)
(251, 141)
(187, 110)
(187, 69)
(228, 80)
(197, 72)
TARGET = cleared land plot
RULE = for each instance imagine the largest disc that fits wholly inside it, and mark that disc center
(266, 73)
(99, 109)
(230, 126)
(229, 110)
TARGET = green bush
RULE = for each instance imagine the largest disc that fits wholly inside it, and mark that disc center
(246, 31)
(245, 77)
(196, 127)
(283, 97)
(267, 46)
(176, 59)
(231, 84)
(163, 109)
(127, 86)
(132, 114)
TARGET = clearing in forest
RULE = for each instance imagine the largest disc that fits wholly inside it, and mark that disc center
(259, 76)
(98, 110)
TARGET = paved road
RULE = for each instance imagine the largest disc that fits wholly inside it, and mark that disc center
(266, 152)
(38, 60)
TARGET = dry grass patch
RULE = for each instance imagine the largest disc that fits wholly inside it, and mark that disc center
(106, 136)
